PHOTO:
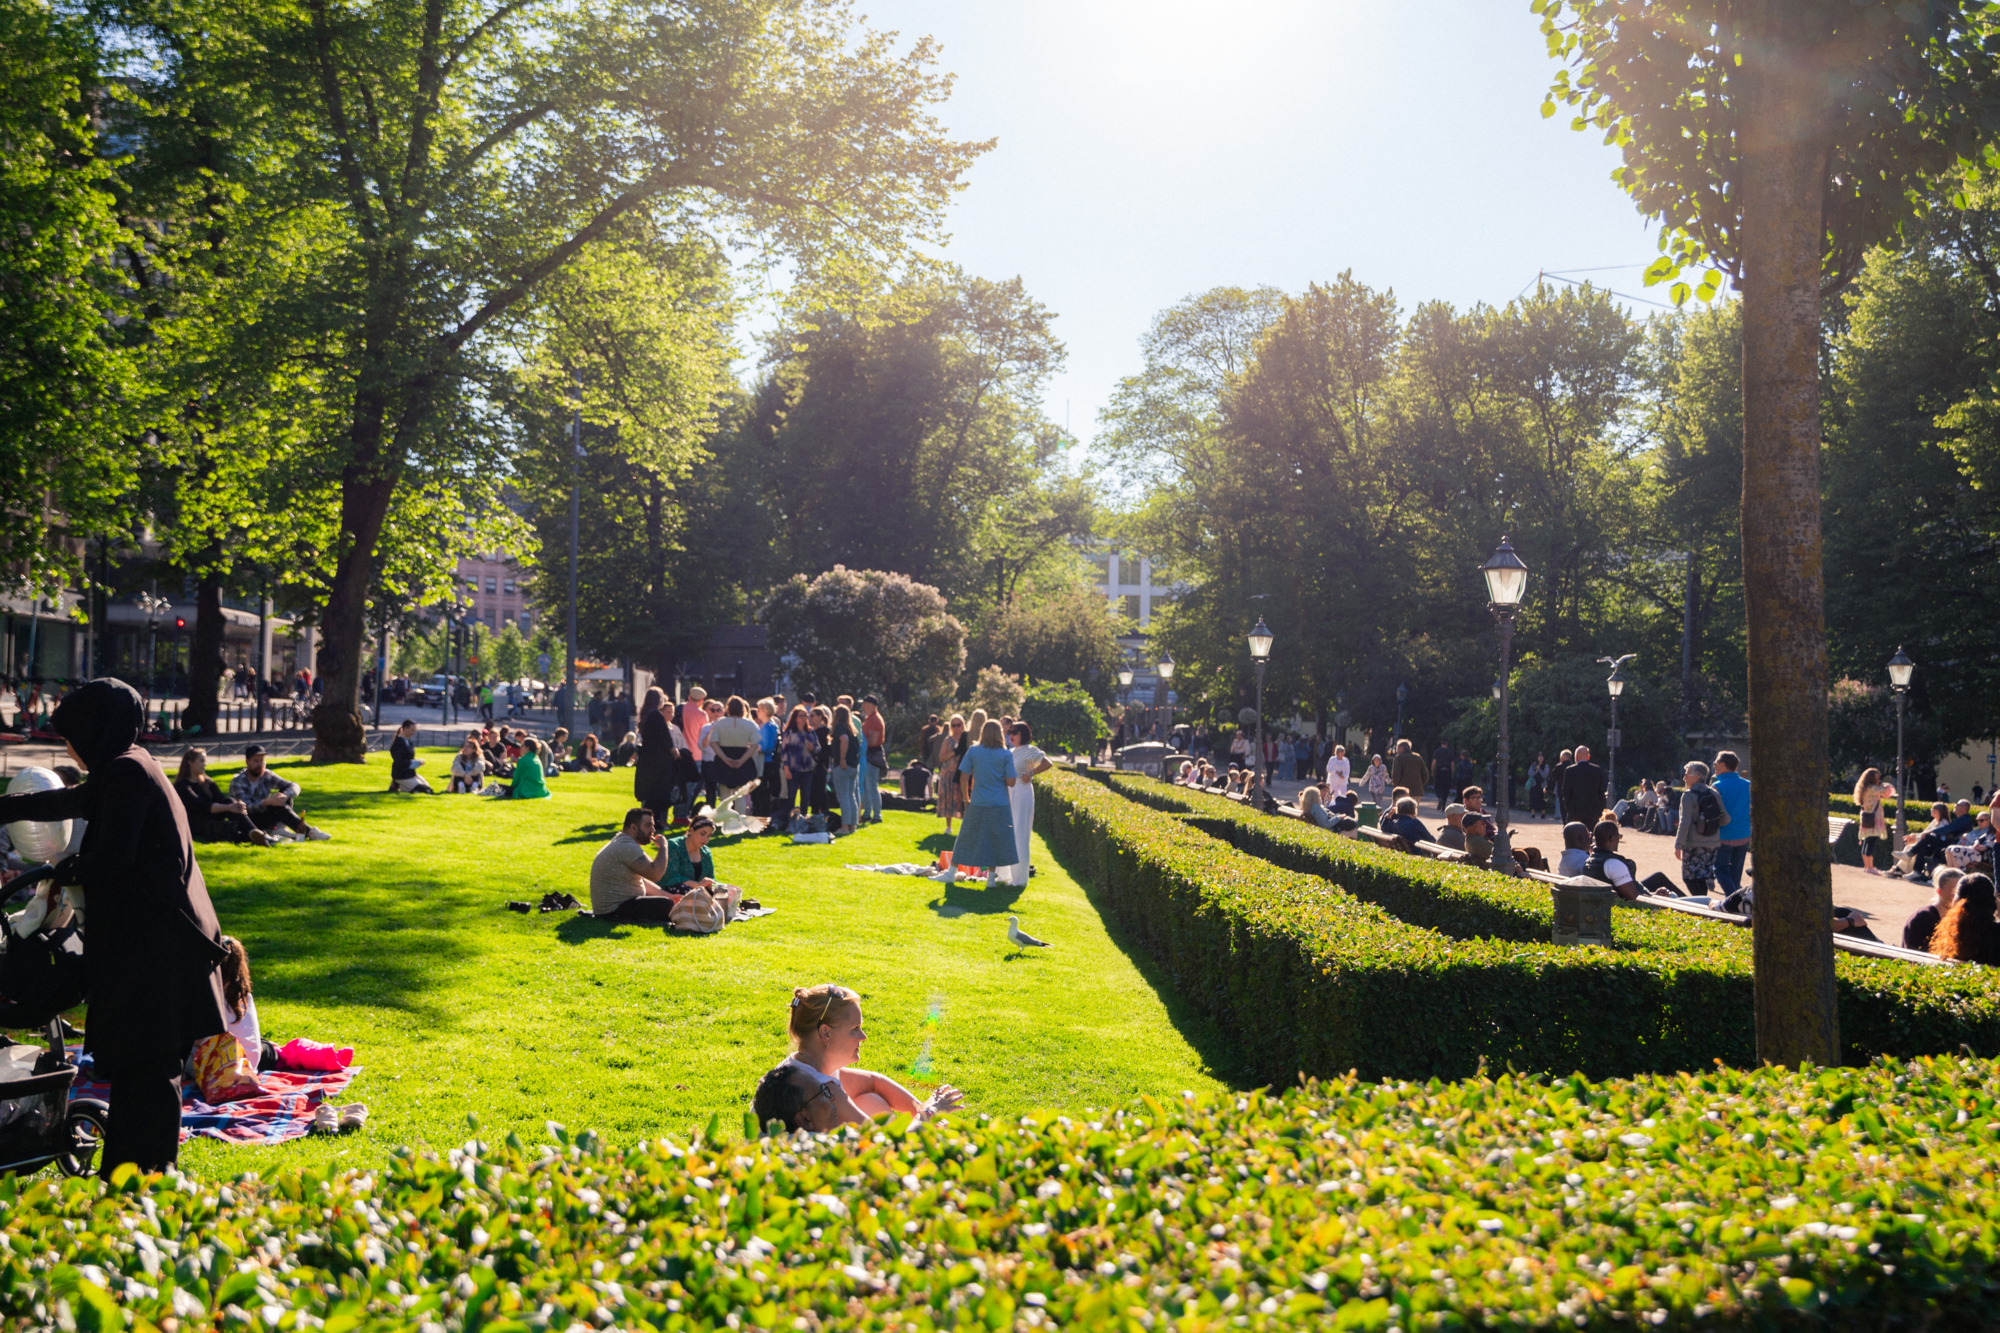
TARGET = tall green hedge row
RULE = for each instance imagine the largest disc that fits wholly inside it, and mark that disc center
(1834, 1199)
(1304, 975)
(1917, 813)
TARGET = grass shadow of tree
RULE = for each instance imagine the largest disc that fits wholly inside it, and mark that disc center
(590, 833)
(1217, 1051)
(977, 899)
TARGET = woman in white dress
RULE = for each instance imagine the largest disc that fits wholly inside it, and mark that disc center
(1337, 772)
(1028, 761)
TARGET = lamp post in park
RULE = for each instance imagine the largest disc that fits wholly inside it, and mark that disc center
(1615, 684)
(1506, 584)
(153, 605)
(1901, 668)
(1261, 639)
(1124, 703)
(1165, 667)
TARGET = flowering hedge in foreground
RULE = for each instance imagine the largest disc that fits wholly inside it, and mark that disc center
(1323, 954)
(1861, 1198)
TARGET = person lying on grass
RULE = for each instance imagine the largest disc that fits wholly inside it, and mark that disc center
(625, 878)
(827, 1036)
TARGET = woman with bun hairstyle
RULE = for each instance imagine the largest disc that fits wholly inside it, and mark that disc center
(826, 1039)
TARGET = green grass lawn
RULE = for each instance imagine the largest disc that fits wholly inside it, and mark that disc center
(394, 938)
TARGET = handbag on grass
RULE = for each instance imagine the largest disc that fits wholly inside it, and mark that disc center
(223, 1071)
(706, 911)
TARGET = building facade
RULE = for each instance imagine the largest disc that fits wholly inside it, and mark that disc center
(495, 587)
(1134, 585)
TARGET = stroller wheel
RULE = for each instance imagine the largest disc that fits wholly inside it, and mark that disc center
(83, 1133)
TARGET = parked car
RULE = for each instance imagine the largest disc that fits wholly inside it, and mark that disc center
(431, 693)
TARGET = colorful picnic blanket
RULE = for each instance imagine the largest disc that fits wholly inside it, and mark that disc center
(283, 1113)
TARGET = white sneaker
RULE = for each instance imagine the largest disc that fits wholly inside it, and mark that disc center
(281, 834)
(325, 1120)
(316, 834)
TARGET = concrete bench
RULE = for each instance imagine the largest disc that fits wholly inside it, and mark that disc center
(1384, 839)
(1437, 851)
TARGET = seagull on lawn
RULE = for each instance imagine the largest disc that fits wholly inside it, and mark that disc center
(1020, 939)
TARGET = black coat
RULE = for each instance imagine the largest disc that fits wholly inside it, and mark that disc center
(656, 775)
(1583, 793)
(152, 944)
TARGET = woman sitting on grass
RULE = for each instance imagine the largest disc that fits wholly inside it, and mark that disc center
(212, 816)
(468, 767)
(591, 757)
(527, 784)
(827, 1036)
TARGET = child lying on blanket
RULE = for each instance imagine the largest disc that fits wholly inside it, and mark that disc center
(225, 1066)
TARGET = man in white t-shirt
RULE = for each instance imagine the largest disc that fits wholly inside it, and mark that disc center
(1337, 771)
(624, 880)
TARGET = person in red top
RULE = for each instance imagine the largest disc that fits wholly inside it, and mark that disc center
(875, 759)
(693, 718)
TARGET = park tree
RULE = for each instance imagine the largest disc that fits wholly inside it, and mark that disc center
(1777, 142)
(1065, 633)
(1065, 718)
(454, 156)
(66, 360)
(906, 433)
(860, 631)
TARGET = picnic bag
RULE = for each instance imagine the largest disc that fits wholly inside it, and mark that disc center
(705, 912)
(223, 1071)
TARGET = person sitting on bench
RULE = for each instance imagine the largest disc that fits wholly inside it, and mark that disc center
(1606, 864)
(625, 879)
(1405, 824)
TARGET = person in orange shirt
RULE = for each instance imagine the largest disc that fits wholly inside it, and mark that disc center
(694, 717)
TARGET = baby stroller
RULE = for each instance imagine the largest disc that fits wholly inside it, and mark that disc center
(41, 976)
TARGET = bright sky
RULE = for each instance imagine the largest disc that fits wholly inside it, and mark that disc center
(1150, 149)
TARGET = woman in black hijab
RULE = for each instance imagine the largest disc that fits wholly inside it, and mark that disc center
(151, 942)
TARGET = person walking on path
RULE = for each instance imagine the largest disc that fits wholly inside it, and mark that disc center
(1338, 771)
(155, 957)
(1868, 796)
(1443, 773)
(1407, 769)
(1556, 776)
(1702, 822)
(1029, 760)
(1583, 790)
(986, 838)
(1733, 789)
(1375, 784)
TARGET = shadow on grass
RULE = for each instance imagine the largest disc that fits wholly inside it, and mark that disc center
(977, 899)
(1216, 1051)
(590, 833)
(938, 842)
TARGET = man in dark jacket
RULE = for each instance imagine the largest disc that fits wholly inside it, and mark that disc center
(1583, 790)
(154, 949)
(1444, 774)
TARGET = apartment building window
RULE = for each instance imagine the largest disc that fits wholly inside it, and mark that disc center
(510, 587)
(1102, 564)
(1128, 572)
(1129, 605)
(492, 583)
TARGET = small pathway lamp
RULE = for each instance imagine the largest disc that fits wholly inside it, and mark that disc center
(1616, 685)
(1165, 668)
(1260, 640)
(1901, 668)
(1506, 584)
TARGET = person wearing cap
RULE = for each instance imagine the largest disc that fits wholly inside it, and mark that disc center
(875, 758)
(269, 796)
(153, 965)
(1452, 835)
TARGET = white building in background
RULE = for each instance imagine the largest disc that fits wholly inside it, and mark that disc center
(1133, 584)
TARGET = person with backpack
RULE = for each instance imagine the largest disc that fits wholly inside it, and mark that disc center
(1700, 836)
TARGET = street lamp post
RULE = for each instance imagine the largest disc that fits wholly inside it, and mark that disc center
(1506, 583)
(1125, 701)
(1165, 666)
(153, 605)
(1901, 668)
(1261, 639)
(1616, 685)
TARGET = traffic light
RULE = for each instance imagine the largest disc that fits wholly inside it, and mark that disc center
(180, 622)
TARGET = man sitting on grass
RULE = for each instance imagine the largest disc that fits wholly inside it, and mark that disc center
(625, 878)
(268, 797)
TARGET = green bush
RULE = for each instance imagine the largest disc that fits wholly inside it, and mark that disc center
(1304, 975)
(1065, 718)
(1917, 813)
(1842, 1199)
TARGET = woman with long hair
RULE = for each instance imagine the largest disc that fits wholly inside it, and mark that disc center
(655, 779)
(797, 749)
(950, 795)
(844, 766)
(212, 816)
(986, 838)
(975, 727)
(1868, 794)
(1968, 931)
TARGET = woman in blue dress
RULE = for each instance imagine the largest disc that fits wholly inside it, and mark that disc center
(986, 838)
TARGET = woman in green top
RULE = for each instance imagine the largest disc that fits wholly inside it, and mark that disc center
(527, 784)
(690, 865)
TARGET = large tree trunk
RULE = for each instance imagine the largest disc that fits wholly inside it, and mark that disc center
(1783, 176)
(339, 736)
(205, 664)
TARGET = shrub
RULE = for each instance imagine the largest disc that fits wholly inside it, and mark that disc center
(1305, 976)
(1065, 718)
(1916, 813)
(1772, 1198)
(998, 693)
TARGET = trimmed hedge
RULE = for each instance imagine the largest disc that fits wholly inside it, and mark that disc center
(1859, 1199)
(1305, 976)
(1919, 812)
